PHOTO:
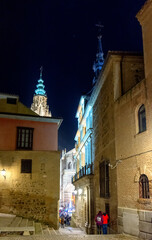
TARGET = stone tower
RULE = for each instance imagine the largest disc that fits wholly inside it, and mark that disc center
(97, 66)
(39, 104)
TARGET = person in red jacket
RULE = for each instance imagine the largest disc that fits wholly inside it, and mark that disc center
(99, 221)
(105, 222)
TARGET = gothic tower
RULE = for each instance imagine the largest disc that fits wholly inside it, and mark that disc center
(97, 66)
(39, 104)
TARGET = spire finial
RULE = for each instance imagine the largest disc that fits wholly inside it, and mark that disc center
(41, 70)
(97, 66)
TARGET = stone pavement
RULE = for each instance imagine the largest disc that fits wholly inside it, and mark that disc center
(69, 233)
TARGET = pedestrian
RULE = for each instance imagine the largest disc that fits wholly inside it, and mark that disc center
(105, 222)
(99, 222)
(62, 221)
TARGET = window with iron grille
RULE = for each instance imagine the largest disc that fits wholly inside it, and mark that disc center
(144, 187)
(26, 166)
(104, 179)
(142, 119)
(24, 138)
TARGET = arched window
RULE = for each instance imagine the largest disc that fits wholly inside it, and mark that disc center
(144, 186)
(69, 165)
(142, 119)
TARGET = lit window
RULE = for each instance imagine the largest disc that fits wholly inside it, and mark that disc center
(24, 138)
(142, 119)
(104, 179)
(143, 186)
(26, 166)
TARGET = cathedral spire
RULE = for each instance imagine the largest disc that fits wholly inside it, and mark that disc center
(39, 104)
(97, 66)
(41, 70)
(40, 86)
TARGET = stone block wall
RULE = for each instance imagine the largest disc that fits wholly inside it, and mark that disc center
(104, 141)
(135, 222)
(32, 195)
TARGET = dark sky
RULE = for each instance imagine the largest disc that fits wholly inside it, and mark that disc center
(61, 35)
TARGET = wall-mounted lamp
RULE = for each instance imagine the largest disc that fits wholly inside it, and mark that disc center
(3, 172)
(114, 166)
(75, 192)
(79, 191)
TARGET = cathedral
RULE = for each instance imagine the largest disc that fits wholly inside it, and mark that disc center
(39, 104)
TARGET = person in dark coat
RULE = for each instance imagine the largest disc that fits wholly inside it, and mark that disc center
(99, 222)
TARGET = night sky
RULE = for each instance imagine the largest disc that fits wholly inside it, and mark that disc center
(61, 36)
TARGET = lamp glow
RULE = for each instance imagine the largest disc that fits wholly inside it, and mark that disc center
(3, 172)
(80, 191)
(75, 192)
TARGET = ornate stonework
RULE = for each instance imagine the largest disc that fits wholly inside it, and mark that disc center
(39, 104)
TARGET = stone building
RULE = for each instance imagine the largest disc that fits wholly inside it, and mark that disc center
(121, 147)
(83, 179)
(67, 171)
(39, 104)
(30, 160)
(133, 114)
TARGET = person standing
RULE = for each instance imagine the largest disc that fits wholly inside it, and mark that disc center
(99, 222)
(62, 221)
(105, 222)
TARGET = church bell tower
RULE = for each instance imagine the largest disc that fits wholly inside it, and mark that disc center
(39, 104)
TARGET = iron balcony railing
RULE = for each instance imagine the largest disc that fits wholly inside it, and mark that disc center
(86, 170)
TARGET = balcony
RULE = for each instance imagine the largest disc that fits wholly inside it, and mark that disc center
(84, 171)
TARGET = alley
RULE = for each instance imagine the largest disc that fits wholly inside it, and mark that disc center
(69, 233)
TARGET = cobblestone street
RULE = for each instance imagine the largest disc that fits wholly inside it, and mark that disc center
(69, 233)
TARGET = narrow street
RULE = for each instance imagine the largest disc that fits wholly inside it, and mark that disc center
(68, 233)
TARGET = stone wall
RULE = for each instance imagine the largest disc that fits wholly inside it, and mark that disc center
(33, 195)
(104, 139)
(134, 153)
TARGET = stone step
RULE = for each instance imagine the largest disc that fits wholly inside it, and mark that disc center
(24, 222)
(38, 228)
(16, 222)
(46, 231)
(6, 221)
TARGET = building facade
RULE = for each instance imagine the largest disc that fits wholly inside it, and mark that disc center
(133, 115)
(30, 160)
(67, 171)
(120, 104)
(83, 179)
(39, 104)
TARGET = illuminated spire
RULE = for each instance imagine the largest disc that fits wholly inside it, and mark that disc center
(40, 86)
(97, 66)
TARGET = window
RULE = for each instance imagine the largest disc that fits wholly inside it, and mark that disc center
(26, 166)
(142, 119)
(104, 179)
(11, 100)
(144, 186)
(24, 138)
(69, 165)
(107, 210)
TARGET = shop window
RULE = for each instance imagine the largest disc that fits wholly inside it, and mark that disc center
(26, 166)
(24, 138)
(144, 186)
(142, 119)
(104, 179)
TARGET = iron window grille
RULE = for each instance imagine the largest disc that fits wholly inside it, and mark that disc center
(142, 119)
(26, 166)
(104, 179)
(144, 187)
(24, 138)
